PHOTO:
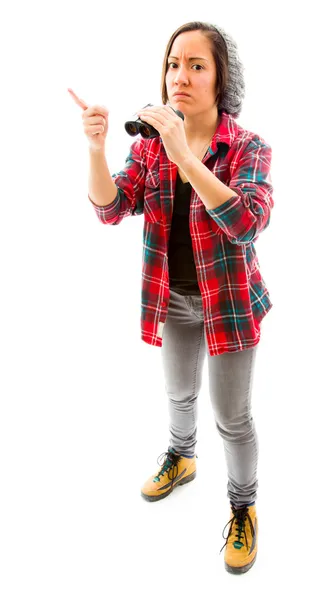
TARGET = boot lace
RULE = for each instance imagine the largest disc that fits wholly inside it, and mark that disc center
(239, 517)
(169, 465)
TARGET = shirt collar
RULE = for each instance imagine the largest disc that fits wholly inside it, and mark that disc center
(226, 132)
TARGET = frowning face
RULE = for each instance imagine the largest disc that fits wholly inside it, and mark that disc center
(191, 69)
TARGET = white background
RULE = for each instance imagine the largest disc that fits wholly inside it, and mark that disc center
(83, 410)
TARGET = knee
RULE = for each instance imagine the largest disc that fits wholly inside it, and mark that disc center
(231, 424)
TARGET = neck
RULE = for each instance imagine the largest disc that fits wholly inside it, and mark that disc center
(201, 127)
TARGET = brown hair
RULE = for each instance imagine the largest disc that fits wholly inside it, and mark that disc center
(219, 51)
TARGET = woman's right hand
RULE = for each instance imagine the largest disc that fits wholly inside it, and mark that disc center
(95, 122)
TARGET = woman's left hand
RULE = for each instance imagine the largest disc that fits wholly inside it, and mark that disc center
(171, 129)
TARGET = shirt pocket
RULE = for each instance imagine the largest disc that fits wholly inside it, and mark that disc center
(152, 201)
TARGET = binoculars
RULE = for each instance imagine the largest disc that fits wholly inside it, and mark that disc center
(133, 127)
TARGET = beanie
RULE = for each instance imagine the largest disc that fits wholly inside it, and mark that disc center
(235, 91)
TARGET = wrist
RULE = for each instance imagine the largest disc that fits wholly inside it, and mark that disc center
(187, 160)
(96, 151)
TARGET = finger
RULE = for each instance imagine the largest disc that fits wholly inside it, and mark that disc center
(169, 110)
(158, 110)
(142, 109)
(157, 116)
(96, 109)
(77, 100)
(155, 120)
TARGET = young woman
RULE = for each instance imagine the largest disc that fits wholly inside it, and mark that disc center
(204, 188)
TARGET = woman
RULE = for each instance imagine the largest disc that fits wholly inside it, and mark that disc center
(205, 190)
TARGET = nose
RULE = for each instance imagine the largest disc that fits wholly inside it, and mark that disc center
(181, 76)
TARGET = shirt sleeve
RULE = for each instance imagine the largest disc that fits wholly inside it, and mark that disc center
(130, 187)
(245, 215)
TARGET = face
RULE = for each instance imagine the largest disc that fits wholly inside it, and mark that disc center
(195, 77)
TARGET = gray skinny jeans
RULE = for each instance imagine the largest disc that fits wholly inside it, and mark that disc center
(230, 385)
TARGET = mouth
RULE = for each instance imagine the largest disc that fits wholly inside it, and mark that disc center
(181, 95)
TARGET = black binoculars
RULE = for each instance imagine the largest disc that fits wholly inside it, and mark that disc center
(133, 127)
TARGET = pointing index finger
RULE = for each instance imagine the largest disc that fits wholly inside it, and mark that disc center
(77, 100)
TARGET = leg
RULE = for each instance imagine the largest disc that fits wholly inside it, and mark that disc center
(183, 353)
(230, 386)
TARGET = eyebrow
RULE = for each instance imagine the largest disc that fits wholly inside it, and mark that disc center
(191, 58)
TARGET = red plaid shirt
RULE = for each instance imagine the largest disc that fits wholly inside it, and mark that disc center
(234, 295)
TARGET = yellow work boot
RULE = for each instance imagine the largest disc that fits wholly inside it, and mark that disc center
(175, 470)
(241, 544)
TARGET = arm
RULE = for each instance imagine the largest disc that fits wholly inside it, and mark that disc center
(209, 188)
(245, 216)
(102, 189)
(128, 183)
(241, 209)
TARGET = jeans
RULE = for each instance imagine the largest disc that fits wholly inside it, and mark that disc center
(230, 386)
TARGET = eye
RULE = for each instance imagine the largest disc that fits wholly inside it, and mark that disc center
(196, 65)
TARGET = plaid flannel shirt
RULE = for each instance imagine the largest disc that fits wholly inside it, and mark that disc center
(234, 295)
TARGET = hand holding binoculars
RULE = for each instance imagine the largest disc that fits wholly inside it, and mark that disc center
(133, 127)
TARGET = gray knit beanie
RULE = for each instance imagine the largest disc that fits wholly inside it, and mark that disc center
(235, 91)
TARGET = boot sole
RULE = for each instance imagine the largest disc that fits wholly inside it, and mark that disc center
(240, 570)
(161, 496)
